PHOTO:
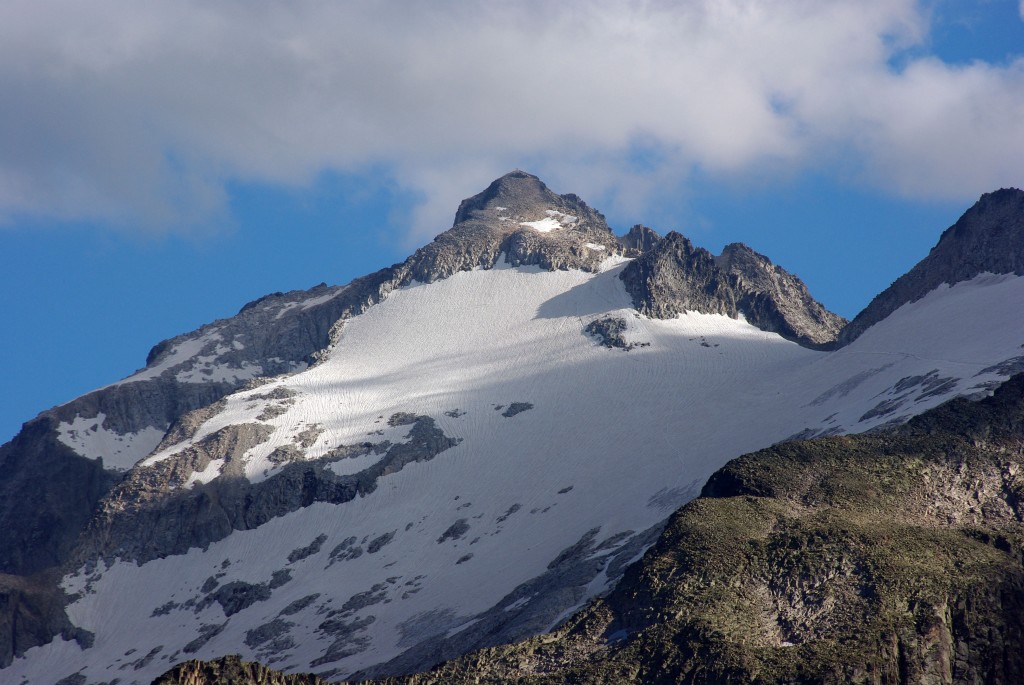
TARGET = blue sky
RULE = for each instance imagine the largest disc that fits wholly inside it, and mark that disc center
(162, 164)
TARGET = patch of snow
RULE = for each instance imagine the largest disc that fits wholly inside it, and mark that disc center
(205, 369)
(119, 451)
(211, 471)
(561, 217)
(594, 246)
(552, 222)
(179, 354)
(544, 225)
(314, 301)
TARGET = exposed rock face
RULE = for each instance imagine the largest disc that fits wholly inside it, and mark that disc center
(47, 494)
(609, 331)
(988, 238)
(49, 490)
(775, 300)
(674, 277)
(638, 241)
(891, 558)
(231, 670)
(520, 216)
(150, 515)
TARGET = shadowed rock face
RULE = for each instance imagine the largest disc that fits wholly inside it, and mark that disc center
(638, 241)
(988, 238)
(33, 613)
(151, 515)
(673, 277)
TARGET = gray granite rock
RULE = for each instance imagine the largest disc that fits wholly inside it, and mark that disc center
(639, 240)
(675, 277)
(775, 300)
(989, 237)
(149, 515)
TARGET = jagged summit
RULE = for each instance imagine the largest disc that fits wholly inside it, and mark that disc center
(517, 192)
(521, 217)
(518, 215)
(776, 300)
(673, 277)
(988, 238)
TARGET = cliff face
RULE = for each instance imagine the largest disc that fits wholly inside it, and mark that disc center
(672, 277)
(895, 558)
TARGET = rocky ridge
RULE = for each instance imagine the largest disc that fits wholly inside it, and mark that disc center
(673, 276)
(988, 238)
(231, 670)
(150, 515)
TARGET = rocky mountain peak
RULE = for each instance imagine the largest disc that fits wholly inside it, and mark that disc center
(519, 216)
(515, 190)
(988, 238)
(519, 201)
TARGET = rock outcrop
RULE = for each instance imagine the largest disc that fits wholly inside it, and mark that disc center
(150, 514)
(988, 238)
(519, 216)
(673, 277)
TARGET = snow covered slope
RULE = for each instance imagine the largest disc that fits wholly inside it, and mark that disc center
(471, 465)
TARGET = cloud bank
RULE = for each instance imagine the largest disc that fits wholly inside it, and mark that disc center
(140, 113)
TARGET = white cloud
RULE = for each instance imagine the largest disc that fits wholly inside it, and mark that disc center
(138, 113)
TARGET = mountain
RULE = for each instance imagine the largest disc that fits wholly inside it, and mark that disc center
(455, 452)
(988, 238)
(893, 557)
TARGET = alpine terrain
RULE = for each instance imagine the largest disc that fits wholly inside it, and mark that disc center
(465, 449)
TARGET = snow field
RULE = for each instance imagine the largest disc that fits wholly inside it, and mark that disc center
(613, 440)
